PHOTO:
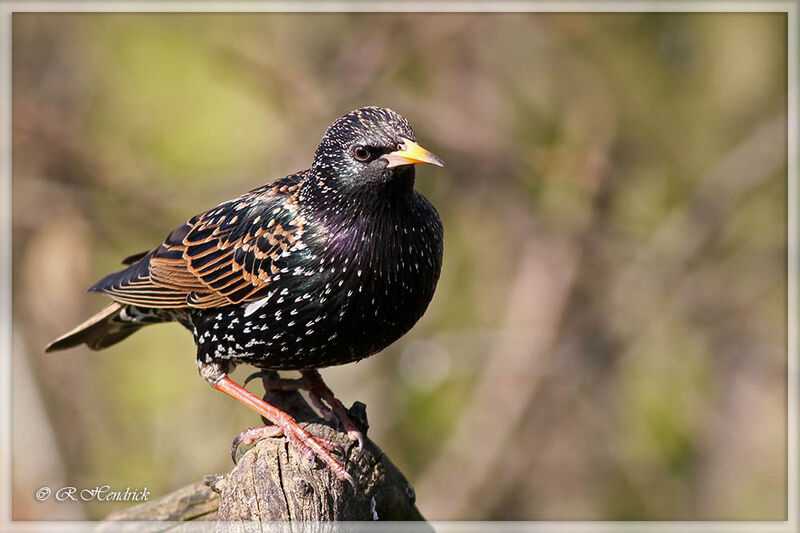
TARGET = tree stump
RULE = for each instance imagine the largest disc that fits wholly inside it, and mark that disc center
(274, 482)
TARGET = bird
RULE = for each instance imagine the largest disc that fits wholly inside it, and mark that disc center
(323, 267)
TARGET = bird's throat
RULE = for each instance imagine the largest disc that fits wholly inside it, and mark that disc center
(355, 200)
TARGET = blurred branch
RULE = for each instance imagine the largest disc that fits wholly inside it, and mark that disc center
(198, 501)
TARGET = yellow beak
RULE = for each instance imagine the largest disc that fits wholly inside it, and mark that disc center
(410, 154)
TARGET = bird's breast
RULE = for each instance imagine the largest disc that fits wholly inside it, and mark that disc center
(380, 274)
(353, 290)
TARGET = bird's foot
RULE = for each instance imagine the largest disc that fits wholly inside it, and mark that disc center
(316, 447)
(249, 436)
(322, 398)
(309, 445)
(299, 439)
(319, 392)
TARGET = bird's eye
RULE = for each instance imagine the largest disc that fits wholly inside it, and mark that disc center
(400, 146)
(361, 152)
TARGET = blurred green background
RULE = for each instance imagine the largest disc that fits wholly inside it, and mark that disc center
(608, 339)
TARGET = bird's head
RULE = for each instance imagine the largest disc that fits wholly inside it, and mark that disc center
(370, 145)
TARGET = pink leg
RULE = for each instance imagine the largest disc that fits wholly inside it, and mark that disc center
(321, 397)
(310, 446)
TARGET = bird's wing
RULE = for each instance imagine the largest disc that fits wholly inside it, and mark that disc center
(227, 255)
(131, 259)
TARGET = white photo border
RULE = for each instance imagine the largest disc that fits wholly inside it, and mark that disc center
(791, 8)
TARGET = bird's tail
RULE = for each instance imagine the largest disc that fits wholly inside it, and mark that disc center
(102, 330)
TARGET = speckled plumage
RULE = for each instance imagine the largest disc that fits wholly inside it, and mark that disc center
(322, 267)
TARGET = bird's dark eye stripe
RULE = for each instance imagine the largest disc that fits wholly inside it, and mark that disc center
(366, 153)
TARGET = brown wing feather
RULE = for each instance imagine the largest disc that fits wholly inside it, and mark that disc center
(227, 255)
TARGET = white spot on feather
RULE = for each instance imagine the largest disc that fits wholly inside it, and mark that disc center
(255, 306)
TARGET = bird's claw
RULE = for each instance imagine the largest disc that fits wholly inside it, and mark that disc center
(356, 435)
(249, 436)
(260, 374)
(273, 381)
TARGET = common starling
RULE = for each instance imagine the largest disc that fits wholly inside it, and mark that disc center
(323, 267)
